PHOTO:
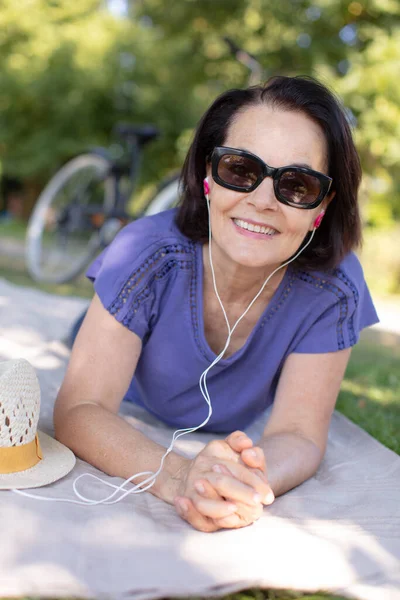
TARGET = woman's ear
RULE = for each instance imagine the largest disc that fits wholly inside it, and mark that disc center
(322, 210)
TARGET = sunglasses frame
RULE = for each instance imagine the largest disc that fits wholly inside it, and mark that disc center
(267, 171)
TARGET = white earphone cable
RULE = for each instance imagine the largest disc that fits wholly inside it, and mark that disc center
(149, 481)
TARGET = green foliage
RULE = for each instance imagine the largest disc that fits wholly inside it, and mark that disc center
(352, 46)
(69, 71)
(67, 74)
(369, 394)
(381, 260)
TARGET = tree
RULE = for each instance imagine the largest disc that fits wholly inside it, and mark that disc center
(68, 73)
(352, 46)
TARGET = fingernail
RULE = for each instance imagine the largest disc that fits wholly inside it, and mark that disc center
(231, 508)
(257, 498)
(183, 506)
(199, 487)
(253, 453)
(269, 498)
(217, 469)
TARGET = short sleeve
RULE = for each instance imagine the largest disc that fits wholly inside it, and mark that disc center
(347, 308)
(126, 275)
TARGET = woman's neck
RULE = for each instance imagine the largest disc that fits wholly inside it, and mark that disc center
(238, 284)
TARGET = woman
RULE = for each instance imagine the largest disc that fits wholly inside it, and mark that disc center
(277, 170)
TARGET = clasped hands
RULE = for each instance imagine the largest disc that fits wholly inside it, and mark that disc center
(225, 486)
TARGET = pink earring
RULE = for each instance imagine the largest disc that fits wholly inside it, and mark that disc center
(206, 187)
(318, 220)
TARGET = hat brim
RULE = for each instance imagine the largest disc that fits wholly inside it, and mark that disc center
(57, 461)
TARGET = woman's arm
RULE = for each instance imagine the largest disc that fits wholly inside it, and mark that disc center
(100, 370)
(295, 437)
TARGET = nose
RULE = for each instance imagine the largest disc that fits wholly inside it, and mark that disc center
(263, 197)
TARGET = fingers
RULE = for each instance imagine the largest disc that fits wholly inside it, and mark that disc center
(186, 509)
(252, 456)
(239, 441)
(230, 448)
(234, 487)
(241, 485)
(203, 514)
(207, 511)
(245, 516)
(209, 503)
(255, 458)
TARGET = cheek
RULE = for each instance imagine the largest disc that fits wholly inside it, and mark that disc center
(223, 201)
(298, 221)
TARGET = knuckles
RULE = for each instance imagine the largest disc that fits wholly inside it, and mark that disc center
(217, 448)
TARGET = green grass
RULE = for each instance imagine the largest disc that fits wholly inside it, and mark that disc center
(370, 396)
(17, 273)
(370, 393)
(381, 264)
(13, 228)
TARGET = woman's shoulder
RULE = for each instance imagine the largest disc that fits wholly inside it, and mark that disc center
(144, 242)
(131, 275)
(332, 307)
(152, 230)
(345, 280)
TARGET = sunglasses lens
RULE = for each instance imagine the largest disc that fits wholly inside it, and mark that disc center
(239, 171)
(299, 188)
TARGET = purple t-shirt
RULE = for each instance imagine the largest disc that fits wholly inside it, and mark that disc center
(151, 279)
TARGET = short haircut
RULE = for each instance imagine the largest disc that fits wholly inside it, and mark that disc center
(340, 230)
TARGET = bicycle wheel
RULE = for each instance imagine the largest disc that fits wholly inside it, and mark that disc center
(63, 231)
(167, 196)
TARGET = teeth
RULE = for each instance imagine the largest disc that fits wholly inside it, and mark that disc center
(255, 228)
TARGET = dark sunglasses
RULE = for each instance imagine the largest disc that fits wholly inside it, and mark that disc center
(243, 171)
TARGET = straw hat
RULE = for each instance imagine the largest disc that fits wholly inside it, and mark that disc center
(28, 458)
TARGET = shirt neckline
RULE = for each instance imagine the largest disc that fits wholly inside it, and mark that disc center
(206, 351)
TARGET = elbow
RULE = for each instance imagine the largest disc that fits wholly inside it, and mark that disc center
(60, 419)
(63, 421)
(316, 455)
(71, 423)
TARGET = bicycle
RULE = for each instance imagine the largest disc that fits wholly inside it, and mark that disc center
(83, 207)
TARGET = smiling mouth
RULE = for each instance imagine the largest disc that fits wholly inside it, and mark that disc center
(255, 228)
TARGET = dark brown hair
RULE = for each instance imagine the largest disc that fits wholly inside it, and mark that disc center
(340, 230)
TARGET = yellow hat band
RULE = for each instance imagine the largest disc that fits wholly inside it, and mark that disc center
(20, 458)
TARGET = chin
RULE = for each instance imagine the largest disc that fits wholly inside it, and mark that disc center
(255, 262)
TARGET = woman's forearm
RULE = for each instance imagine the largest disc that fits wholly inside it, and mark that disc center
(106, 441)
(291, 459)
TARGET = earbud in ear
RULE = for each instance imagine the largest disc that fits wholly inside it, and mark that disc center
(318, 220)
(206, 187)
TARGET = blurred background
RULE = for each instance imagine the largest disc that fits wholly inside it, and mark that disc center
(70, 71)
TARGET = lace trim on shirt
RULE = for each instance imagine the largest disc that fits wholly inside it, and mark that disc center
(343, 277)
(193, 306)
(324, 284)
(160, 266)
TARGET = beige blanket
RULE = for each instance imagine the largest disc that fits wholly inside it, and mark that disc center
(340, 531)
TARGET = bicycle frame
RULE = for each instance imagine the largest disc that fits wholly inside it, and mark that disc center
(120, 199)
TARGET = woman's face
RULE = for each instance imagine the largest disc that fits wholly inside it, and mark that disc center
(280, 138)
